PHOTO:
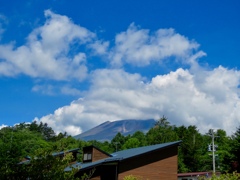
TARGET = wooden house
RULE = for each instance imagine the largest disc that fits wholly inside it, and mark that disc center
(149, 162)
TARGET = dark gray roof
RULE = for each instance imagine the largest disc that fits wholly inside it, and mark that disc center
(123, 155)
(68, 151)
(28, 158)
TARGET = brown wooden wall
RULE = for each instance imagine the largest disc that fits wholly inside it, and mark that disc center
(160, 165)
(98, 155)
(96, 178)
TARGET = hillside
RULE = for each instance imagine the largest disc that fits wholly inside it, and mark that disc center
(107, 130)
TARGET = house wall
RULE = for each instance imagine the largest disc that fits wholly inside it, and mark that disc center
(96, 178)
(98, 155)
(157, 165)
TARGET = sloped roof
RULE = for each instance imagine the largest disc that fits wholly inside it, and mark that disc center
(28, 158)
(123, 155)
(129, 153)
(68, 151)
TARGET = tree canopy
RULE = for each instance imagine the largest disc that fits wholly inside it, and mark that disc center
(39, 140)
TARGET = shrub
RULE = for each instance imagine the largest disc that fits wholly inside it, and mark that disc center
(131, 177)
(233, 176)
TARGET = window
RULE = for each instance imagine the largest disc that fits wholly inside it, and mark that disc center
(87, 156)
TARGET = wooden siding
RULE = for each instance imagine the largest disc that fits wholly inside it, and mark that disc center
(98, 155)
(96, 178)
(157, 165)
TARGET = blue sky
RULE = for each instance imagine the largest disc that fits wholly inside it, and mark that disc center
(77, 64)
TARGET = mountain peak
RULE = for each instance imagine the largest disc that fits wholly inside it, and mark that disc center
(107, 130)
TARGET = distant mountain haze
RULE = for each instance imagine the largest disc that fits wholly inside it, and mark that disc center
(107, 130)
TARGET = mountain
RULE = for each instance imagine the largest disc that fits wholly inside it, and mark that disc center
(107, 130)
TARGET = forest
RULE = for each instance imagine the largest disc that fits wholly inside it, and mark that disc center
(39, 140)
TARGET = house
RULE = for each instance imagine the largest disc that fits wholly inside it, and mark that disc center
(149, 162)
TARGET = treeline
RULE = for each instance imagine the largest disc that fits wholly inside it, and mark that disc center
(36, 142)
(194, 154)
(31, 140)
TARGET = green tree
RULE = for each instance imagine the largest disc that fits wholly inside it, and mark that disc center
(235, 150)
(192, 149)
(105, 146)
(163, 122)
(66, 143)
(131, 143)
(223, 152)
(43, 165)
(141, 138)
(20, 141)
(118, 141)
(162, 132)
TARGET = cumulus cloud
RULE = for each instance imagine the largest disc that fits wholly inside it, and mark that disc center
(207, 98)
(47, 52)
(65, 119)
(203, 99)
(139, 47)
(99, 47)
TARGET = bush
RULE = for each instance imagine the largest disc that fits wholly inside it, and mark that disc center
(233, 176)
(131, 177)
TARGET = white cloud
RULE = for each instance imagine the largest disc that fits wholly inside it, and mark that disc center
(70, 91)
(48, 53)
(100, 47)
(205, 98)
(44, 89)
(186, 98)
(54, 90)
(139, 47)
(52, 51)
(3, 125)
(3, 21)
(65, 119)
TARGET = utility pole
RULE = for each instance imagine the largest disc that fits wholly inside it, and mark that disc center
(213, 149)
(116, 143)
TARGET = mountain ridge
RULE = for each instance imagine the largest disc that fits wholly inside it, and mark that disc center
(108, 129)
